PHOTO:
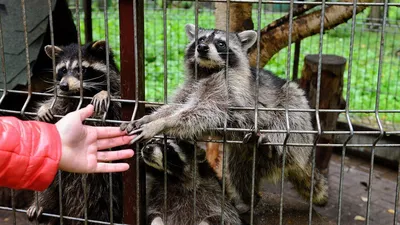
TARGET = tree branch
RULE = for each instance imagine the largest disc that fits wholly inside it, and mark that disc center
(272, 41)
(296, 12)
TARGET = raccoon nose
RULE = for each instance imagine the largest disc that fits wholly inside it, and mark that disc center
(64, 86)
(202, 48)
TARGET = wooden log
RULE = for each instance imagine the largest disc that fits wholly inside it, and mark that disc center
(331, 87)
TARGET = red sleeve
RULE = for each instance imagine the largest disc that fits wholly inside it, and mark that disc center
(29, 153)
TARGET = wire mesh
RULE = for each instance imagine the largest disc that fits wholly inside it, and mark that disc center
(370, 88)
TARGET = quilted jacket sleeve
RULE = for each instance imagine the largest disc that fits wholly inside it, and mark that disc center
(29, 153)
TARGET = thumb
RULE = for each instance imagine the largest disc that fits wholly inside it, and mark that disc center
(86, 112)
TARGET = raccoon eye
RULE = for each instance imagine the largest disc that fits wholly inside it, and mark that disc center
(84, 69)
(201, 39)
(63, 70)
(221, 44)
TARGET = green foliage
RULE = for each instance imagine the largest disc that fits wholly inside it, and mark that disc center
(364, 67)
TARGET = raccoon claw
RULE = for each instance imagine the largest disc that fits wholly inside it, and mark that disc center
(33, 213)
(253, 137)
(45, 114)
(129, 127)
(135, 131)
(100, 101)
(138, 138)
(123, 126)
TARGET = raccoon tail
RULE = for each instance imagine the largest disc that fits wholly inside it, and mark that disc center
(301, 179)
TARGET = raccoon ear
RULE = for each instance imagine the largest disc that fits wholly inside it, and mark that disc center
(98, 46)
(48, 50)
(190, 31)
(248, 38)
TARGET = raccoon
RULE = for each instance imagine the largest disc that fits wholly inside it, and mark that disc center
(180, 169)
(225, 79)
(94, 77)
(94, 73)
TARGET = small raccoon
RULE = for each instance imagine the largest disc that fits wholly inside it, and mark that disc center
(180, 171)
(94, 73)
(94, 80)
(203, 105)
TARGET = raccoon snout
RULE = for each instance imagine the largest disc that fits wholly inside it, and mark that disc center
(203, 49)
(64, 86)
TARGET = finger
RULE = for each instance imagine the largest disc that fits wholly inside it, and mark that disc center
(111, 167)
(86, 112)
(108, 132)
(113, 142)
(115, 155)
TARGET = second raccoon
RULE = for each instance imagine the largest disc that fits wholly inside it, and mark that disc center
(94, 74)
(180, 169)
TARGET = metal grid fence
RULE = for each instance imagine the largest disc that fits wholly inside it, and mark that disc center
(337, 40)
(145, 68)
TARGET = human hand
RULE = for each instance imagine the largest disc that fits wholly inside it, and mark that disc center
(80, 145)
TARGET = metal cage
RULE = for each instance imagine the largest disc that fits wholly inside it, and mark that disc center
(148, 48)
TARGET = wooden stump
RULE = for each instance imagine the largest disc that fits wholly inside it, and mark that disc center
(332, 69)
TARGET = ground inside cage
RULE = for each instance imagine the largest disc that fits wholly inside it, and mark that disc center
(296, 211)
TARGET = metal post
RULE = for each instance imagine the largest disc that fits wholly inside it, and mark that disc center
(132, 87)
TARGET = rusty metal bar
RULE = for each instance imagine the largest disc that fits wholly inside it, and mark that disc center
(87, 8)
(132, 80)
(378, 120)
(28, 65)
(165, 80)
(317, 115)
(3, 64)
(287, 125)
(347, 114)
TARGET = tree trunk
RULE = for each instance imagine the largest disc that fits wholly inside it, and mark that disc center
(239, 16)
(273, 40)
(375, 16)
(332, 70)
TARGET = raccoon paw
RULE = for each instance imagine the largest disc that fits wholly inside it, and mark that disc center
(147, 131)
(45, 114)
(157, 221)
(252, 137)
(100, 101)
(34, 213)
(242, 208)
(136, 124)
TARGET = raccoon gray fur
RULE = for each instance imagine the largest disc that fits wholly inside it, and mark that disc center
(203, 105)
(180, 171)
(94, 73)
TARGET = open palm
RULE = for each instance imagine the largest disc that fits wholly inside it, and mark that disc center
(81, 145)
